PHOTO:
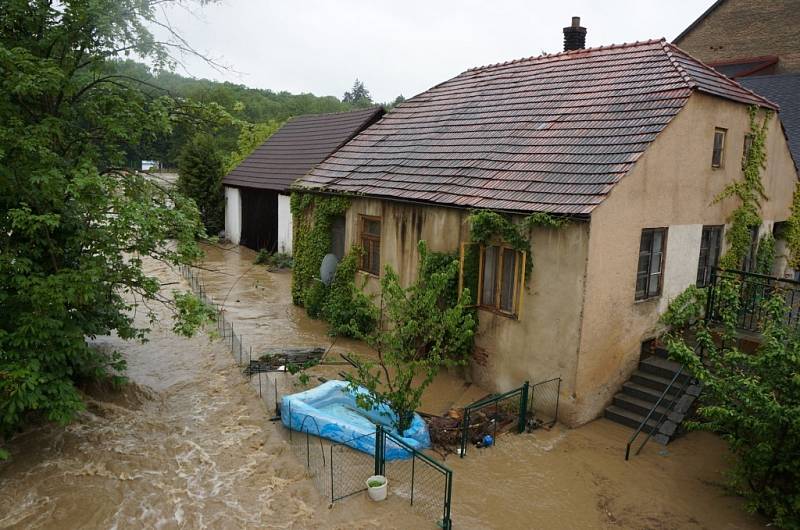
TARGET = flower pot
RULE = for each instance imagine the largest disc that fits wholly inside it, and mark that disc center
(377, 493)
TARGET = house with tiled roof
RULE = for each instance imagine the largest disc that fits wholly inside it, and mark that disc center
(630, 143)
(758, 44)
(257, 190)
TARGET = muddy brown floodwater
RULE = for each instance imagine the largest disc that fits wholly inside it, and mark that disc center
(188, 444)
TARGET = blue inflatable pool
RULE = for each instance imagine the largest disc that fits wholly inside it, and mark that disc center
(330, 411)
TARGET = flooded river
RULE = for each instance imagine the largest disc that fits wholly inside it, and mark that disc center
(188, 444)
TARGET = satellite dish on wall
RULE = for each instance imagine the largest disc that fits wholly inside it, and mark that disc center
(328, 268)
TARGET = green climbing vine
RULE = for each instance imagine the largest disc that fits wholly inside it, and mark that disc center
(346, 307)
(793, 230)
(765, 256)
(312, 216)
(749, 190)
(487, 226)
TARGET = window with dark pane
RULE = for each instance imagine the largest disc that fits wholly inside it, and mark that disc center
(710, 249)
(337, 236)
(651, 263)
(489, 286)
(748, 143)
(508, 280)
(719, 148)
(749, 262)
(501, 278)
(371, 243)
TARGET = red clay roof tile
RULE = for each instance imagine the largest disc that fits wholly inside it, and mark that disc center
(552, 133)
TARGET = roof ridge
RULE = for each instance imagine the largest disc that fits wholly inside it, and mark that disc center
(719, 75)
(680, 69)
(567, 52)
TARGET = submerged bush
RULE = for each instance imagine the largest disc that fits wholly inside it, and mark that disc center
(274, 260)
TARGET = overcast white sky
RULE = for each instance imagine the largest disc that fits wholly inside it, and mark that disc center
(402, 47)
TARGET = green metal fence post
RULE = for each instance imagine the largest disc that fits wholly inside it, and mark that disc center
(523, 407)
(378, 448)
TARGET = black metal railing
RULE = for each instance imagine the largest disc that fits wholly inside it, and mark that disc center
(654, 428)
(743, 294)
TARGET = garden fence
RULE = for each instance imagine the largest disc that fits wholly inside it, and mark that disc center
(266, 386)
(493, 415)
(526, 407)
(339, 471)
(543, 406)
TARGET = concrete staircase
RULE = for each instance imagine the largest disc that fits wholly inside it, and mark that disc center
(641, 392)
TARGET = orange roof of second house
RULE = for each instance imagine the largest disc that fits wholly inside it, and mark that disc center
(546, 134)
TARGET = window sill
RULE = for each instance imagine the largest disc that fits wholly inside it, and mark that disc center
(369, 274)
(498, 312)
(649, 299)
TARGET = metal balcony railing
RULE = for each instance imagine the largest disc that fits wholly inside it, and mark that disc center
(754, 289)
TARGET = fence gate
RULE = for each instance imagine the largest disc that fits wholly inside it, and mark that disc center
(426, 483)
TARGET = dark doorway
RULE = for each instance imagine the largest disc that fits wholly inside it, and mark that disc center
(259, 219)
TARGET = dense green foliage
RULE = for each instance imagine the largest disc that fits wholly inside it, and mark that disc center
(419, 334)
(793, 230)
(751, 399)
(750, 191)
(765, 255)
(247, 109)
(347, 309)
(200, 169)
(312, 216)
(74, 227)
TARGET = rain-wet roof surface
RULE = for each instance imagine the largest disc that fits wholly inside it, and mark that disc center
(784, 90)
(302, 143)
(549, 134)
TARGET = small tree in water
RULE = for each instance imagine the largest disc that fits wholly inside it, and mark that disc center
(751, 399)
(201, 168)
(420, 333)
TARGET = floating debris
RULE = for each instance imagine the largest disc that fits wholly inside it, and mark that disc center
(280, 360)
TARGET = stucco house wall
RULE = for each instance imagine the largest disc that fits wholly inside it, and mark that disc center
(672, 185)
(543, 342)
(233, 215)
(284, 224)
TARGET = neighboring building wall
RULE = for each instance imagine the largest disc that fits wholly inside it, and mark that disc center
(284, 224)
(544, 342)
(233, 215)
(672, 185)
(744, 28)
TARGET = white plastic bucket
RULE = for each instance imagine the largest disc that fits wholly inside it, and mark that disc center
(377, 493)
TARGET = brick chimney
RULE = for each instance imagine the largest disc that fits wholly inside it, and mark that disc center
(574, 36)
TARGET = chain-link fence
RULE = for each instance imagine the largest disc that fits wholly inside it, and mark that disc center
(543, 405)
(258, 376)
(484, 419)
(351, 468)
(338, 470)
(424, 482)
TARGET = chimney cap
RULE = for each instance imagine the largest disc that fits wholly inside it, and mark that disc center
(574, 35)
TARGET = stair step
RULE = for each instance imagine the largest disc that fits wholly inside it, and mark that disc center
(639, 406)
(627, 418)
(662, 368)
(659, 365)
(654, 381)
(661, 352)
(647, 393)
